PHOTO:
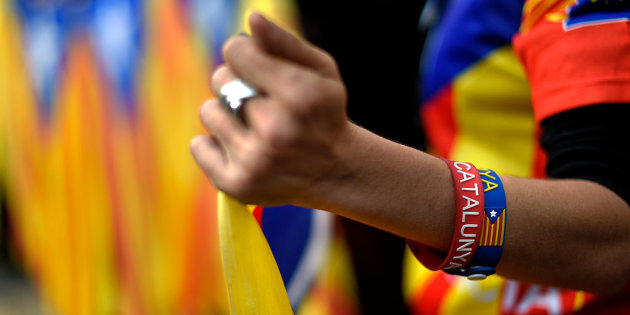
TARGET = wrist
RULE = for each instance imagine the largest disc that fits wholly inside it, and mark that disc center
(335, 187)
(371, 182)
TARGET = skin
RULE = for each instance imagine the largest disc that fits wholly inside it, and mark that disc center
(296, 146)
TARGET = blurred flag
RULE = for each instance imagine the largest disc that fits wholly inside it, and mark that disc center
(300, 240)
(98, 102)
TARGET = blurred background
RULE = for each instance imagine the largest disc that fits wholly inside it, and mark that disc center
(103, 209)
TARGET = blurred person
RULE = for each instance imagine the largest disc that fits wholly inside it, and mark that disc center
(473, 78)
(295, 145)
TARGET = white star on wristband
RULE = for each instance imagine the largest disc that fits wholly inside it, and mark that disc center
(493, 213)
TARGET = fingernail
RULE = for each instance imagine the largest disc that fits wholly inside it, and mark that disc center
(259, 15)
(194, 141)
(204, 107)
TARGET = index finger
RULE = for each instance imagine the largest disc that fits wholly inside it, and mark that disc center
(280, 78)
(279, 42)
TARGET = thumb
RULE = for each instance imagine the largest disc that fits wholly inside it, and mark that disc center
(279, 42)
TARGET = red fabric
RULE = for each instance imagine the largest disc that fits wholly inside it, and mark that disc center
(258, 213)
(578, 67)
(437, 114)
(429, 300)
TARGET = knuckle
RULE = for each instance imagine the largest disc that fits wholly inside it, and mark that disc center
(327, 58)
(278, 139)
(278, 136)
(232, 45)
(328, 64)
(301, 87)
(293, 78)
(313, 98)
(319, 91)
(338, 92)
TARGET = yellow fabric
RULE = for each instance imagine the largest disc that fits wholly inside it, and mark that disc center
(494, 132)
(282, 12)
(473, 297)
(253, 280)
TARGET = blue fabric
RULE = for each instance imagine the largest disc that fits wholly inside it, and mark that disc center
(287, 229)
(461, 38)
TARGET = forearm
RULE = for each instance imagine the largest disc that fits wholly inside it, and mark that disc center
(567, 233)
(295, 145)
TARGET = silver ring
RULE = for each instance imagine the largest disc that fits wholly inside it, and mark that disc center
(234, 94)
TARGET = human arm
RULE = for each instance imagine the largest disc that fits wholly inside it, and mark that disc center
(297, 146)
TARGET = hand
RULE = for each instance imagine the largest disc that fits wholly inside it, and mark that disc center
(289, 140)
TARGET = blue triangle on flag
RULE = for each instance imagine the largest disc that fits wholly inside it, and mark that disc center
(493, 213)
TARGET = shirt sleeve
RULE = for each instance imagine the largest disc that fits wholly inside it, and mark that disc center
(590, 143)
(575, 54)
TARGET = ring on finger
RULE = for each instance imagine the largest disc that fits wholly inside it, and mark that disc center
(234, 94)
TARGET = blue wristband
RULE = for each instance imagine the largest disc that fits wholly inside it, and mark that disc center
(492, 232)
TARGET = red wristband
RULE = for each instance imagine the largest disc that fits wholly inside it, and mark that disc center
(469, 205)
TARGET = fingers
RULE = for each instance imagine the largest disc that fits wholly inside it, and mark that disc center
(281, 43)
(209, 155)
(275, 61)
(228, 131)
(220, 77)
(249, 62)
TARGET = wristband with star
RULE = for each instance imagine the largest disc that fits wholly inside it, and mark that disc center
(493, 229)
